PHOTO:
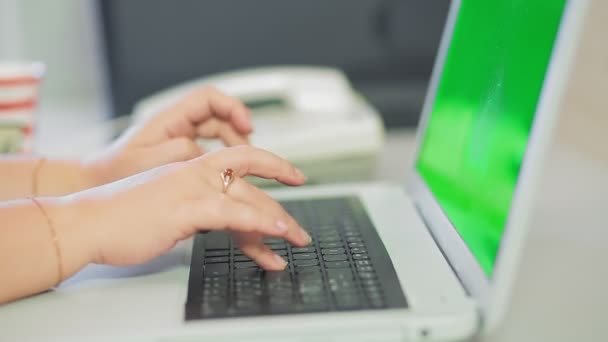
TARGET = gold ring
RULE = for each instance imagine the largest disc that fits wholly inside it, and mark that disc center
(227, 178)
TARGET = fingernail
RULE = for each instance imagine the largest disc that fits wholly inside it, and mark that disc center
(306, 236)
(300, 174)
(281, 226)
(280, 260)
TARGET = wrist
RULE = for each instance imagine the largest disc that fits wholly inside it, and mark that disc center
(72, 224)
(61, 177)
(93, 174)
(102, 169)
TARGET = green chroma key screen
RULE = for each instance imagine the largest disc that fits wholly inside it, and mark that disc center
(480, 122)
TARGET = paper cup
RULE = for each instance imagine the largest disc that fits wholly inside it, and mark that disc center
(19, 93)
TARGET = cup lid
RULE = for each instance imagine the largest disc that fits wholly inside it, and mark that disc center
(17, 70)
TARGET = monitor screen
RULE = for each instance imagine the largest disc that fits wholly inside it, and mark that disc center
(481, 117)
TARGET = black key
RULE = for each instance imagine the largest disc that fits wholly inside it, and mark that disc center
(304, 256)
(337, 264)
(325, 229)
(273, 277)
(313, 262)
(369, 282)
(330, 238)
(248, 273)
(247, 287)
(213, 285)
(329, 233)
(217, 240)
(214, 292)
(247, 283)
(373, 291)
(309, 279)
(308, 269)
(215, 279)
(344, 276)
(365, 268)
(358, 250)
(273, 240)
(335, 257)
(221, 252)
(333, 251)
(367, 275)
(311, 290)
(355, 244)
(245, 264)
(238, 251)
(329, 229)
(331, 245)
(216, 259)
(241, 258)
(363, 262)
(303, 250)
(342, 287)
(354, 239)
(340, 272)
(360, 256)
(280, 252)
(215, 270)
(352, 234)
(277, 246)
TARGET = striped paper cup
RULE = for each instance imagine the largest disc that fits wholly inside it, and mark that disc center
(19, 91)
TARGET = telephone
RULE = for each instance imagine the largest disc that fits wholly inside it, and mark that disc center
(309, 115)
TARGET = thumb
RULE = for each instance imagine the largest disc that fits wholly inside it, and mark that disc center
(173, 150)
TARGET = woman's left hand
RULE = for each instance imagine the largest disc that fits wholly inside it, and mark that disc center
(170, 136)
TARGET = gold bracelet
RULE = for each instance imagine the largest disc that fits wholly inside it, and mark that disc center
(55, 240)
(35, 176)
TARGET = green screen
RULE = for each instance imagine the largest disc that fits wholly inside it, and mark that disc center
(480, 120)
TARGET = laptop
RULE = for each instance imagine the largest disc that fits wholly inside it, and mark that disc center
(434, 259)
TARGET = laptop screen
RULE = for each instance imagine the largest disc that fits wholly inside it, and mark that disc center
(482, 114)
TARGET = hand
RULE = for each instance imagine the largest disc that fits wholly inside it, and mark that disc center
(170, 136)
(138, 218)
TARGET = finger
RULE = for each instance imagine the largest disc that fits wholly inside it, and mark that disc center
(223, 212)
(174, 150)
(248, 160)
(215, 128)
(230, 108)
(253, 246)
(208, 101)
(247, 193)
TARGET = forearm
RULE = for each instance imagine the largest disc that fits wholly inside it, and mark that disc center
(22, 176)
(29, 258)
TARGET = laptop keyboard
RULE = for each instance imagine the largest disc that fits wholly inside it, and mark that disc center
(336, 272)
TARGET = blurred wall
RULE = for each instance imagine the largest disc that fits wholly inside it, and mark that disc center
(386, 47)
(60, 33)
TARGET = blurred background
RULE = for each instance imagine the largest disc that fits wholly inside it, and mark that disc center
(108, 54)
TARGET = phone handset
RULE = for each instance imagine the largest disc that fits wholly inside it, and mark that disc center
(303, 89)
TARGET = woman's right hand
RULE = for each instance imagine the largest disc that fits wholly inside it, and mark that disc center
(138, 218)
